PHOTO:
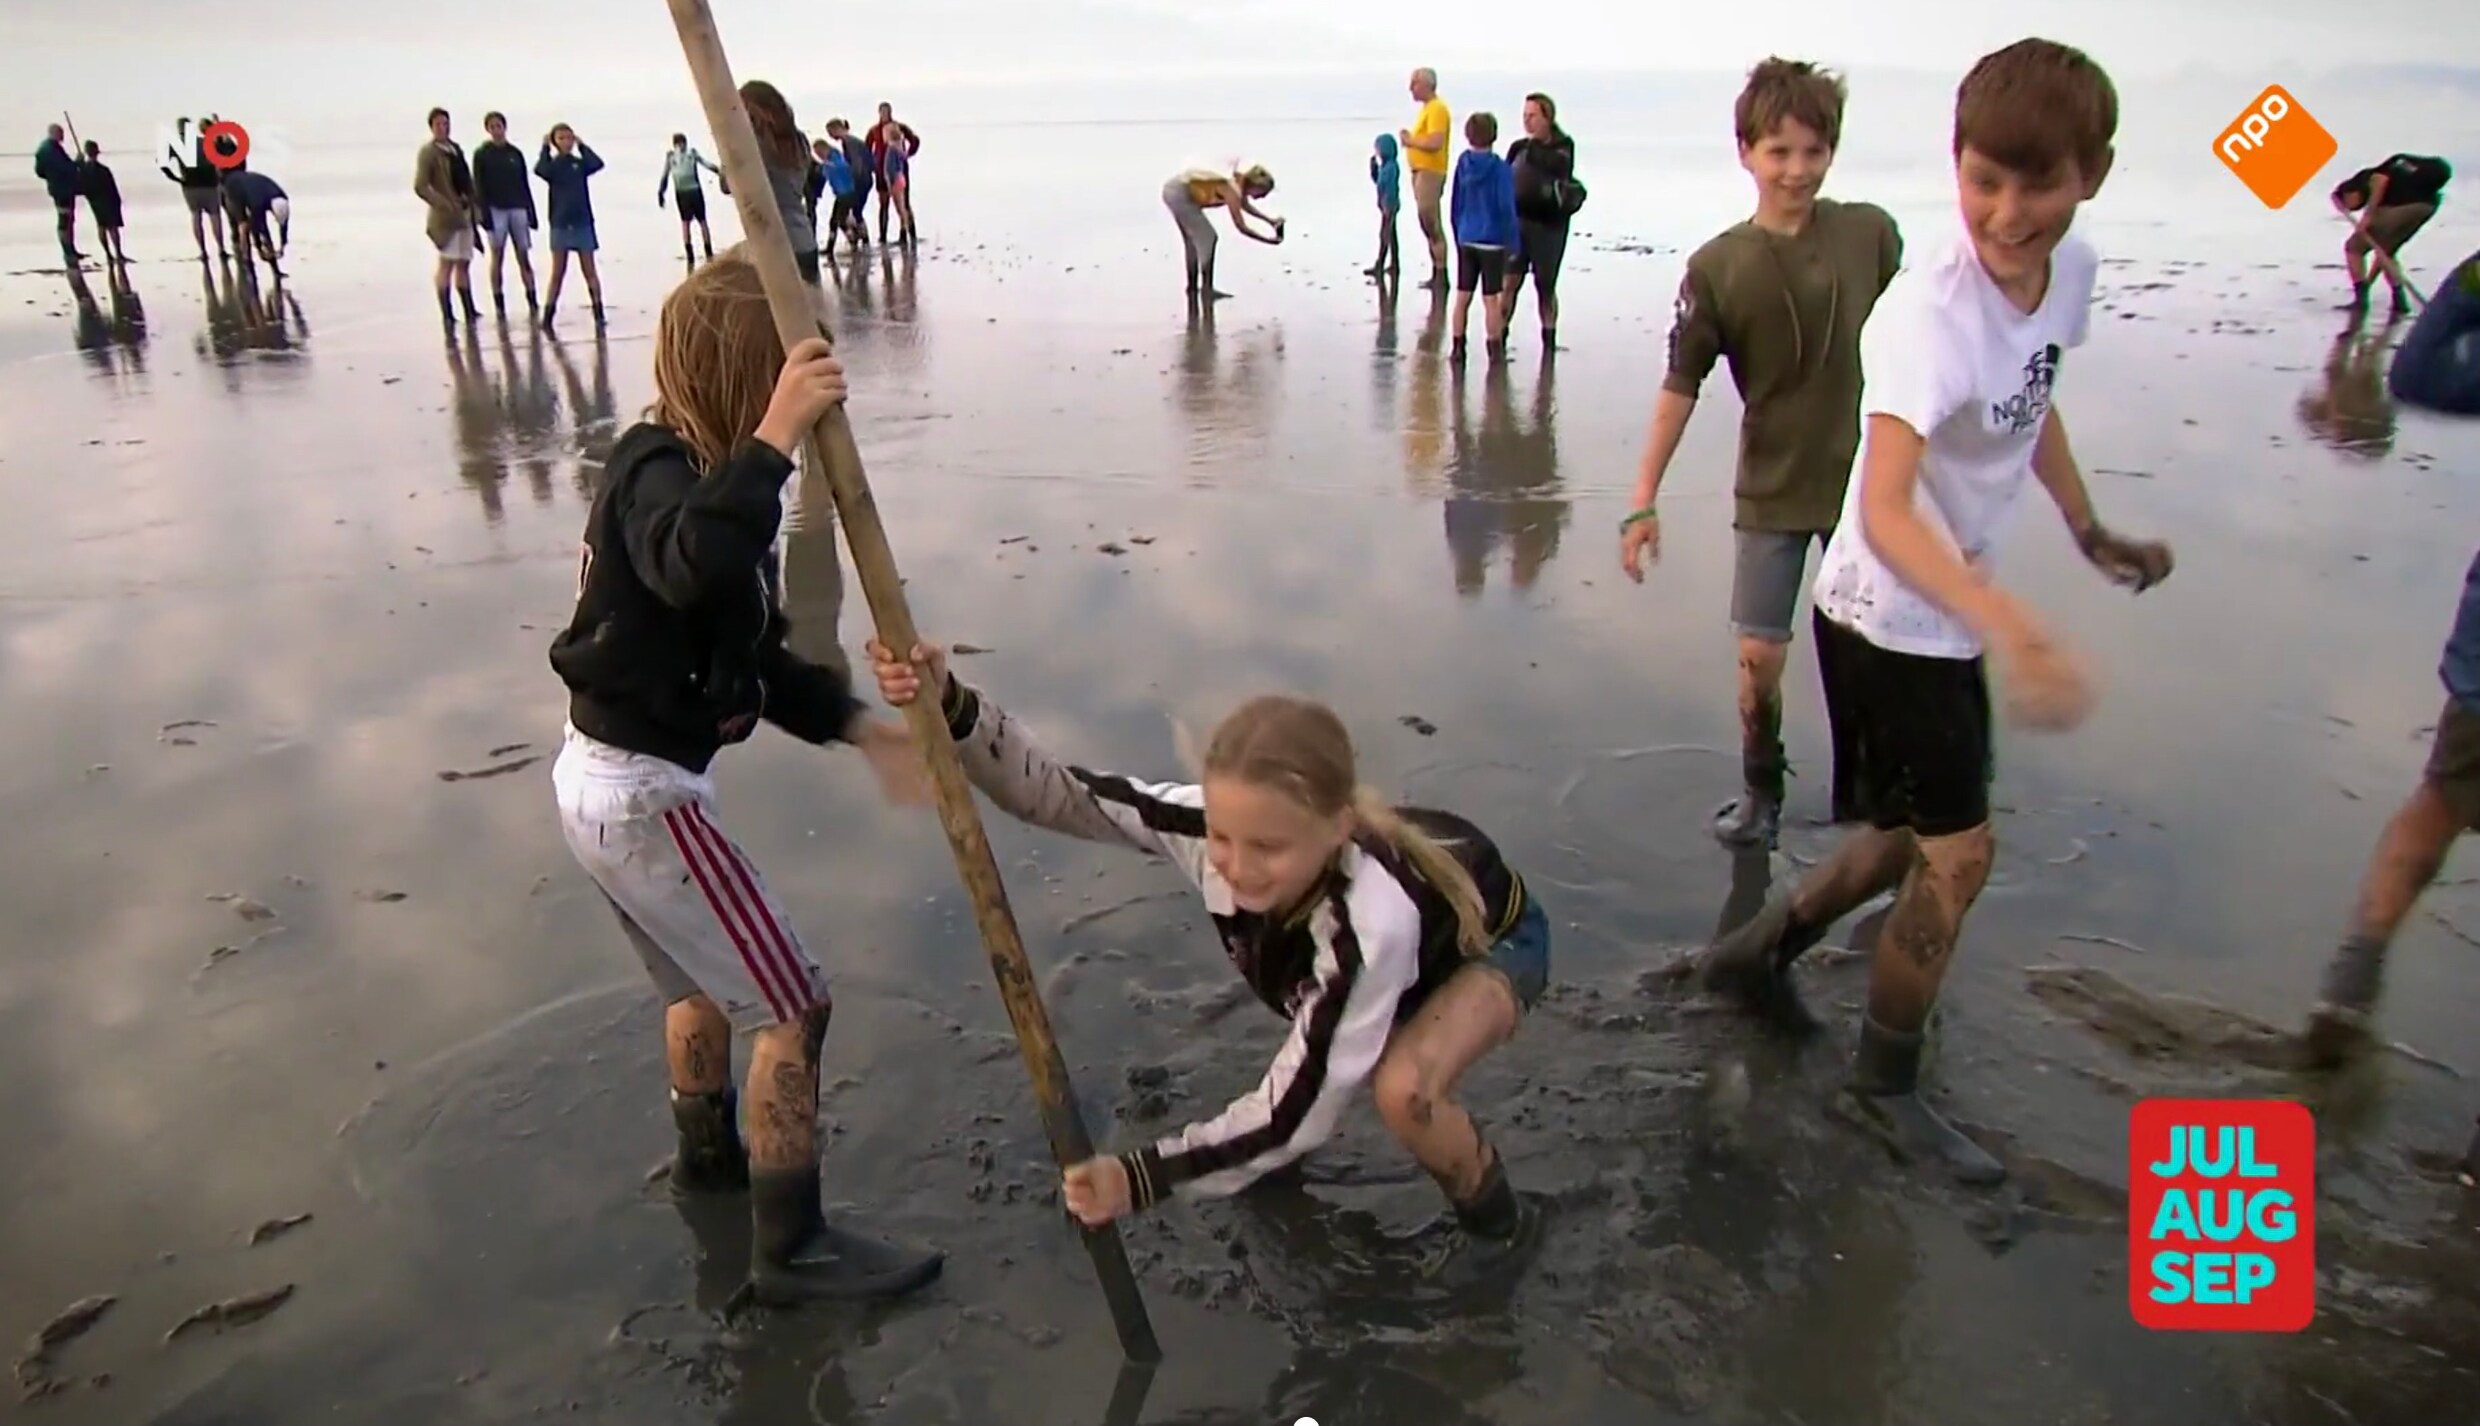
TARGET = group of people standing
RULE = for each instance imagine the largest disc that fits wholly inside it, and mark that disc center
(490, 198)
(1508, 216)
(260, 212)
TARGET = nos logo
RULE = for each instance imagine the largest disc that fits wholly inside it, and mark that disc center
(217, 143)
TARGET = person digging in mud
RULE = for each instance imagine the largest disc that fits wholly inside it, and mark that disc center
(677, 650)
(1200, 187)
(2388, 204)
(1781, 297)
(1399, 944)
(2438, 369)
(1959, 364)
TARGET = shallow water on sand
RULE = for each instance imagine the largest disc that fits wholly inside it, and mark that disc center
(282, 563)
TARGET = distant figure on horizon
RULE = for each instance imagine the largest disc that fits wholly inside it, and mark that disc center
(103, 195)
(895, 184)
(253, 198)
(505, 186)
(2394, 200)
(858, 158)
(1425, 152)
(680, 180)
(1192, 191)
(59, 173)
(1547, 198)
(1386, 174)
(1484, 214)
(888, 136)
(202, 191)
(564, 167)
(445, 184)
(787, 168)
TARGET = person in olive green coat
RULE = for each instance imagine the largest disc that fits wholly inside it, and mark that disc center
(444, 181)
(1781, 298)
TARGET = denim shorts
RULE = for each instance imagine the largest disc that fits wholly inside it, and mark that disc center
(1523, 954)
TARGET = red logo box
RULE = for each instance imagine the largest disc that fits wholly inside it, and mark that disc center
(2221, 1215)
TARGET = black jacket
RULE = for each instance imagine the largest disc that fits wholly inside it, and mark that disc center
(500, 178)
(1538, 167)
(677, 645)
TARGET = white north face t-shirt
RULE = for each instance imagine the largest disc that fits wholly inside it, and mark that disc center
(1949, 355)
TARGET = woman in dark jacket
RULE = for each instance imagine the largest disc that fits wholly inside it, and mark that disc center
(1546, 195)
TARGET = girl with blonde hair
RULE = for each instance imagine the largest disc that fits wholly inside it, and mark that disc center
(677, 650)
(1398, 943)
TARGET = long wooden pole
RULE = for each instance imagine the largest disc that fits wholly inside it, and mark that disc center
(796, 320)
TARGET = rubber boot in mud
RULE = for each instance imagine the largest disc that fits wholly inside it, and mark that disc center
(1496, 1230)
(1751, 966)
(1883, 1098)
(2337, 1032)
(710, 1158)
(796, 1256)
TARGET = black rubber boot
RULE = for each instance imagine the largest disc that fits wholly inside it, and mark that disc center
(1884, 1098)
(499, 303)
(447, 311)
(1751, 820)
(710, 1158)
(2359, 299)
(796, 1256)
(1755, 820)
(1494, 1212)
(2338, 1027)
(2402, 303)
(1495, 1230)
(472, 312)
(598, 314)
(1751, 966)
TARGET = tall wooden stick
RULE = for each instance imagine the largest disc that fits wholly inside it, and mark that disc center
(796, 320)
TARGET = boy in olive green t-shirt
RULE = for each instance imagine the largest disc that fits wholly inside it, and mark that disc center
(1781, 298)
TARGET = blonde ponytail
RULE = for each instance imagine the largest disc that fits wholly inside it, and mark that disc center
(1436, 865)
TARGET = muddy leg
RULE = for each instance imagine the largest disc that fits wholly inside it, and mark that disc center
(1414, 1087)
(1755, 820)
(1752, 964)
(2408, 857)
(697, 1044)
(1913, 953)
(796, 1255)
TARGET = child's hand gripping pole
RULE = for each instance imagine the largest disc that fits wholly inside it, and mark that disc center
(795, 321)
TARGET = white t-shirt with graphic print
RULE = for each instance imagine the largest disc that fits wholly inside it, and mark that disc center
(1949, 355)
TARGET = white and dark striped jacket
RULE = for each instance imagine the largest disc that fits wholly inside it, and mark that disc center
(1358, 957)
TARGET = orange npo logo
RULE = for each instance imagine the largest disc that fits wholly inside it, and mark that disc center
(2275, 146)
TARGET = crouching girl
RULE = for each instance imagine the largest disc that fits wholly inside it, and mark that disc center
(1399, 944)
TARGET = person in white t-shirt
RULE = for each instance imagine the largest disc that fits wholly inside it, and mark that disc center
(1959, 366)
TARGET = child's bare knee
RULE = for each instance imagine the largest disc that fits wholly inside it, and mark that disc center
(1406, 1095)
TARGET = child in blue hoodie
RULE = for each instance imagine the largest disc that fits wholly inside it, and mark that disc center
(1387, 176)
(1483, 212)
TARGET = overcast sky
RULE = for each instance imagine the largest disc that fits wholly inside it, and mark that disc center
(305, 61)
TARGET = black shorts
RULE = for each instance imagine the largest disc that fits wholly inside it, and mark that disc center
(692, 204)
(1912, 747)
(1482, 269)
(1544, 250)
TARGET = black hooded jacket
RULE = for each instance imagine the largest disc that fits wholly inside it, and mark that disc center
(677, 645)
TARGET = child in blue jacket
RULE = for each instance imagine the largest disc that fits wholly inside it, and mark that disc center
(1387, 176)
(1483, 212)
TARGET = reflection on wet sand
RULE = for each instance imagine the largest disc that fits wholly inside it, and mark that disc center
(112, 343)
(594, 418)
(506, 415)
(246, 322)
(1425, 430)
(1504, 480)
(2349, 408)
(1227, 395)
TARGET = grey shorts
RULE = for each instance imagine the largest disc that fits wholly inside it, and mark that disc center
(204, 200)
(509, 225)
(1766, 582)
(1196, 229)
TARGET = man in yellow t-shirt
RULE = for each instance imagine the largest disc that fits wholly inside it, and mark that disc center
(1425, 153)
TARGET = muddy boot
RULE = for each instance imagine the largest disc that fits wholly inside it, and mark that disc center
(2359, 298)
(1495, 1228)
(1751, 966)
(1750, 820)
(499, 304)
(2337, 1030)
(710, 1158)
(797, 1256)
(1755, 820)
(2402, 303)
(1884, 1099)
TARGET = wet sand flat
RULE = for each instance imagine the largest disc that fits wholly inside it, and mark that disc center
(283, 562)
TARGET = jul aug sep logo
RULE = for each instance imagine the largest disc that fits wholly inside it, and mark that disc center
(2221, 1215)
(2275, 146)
